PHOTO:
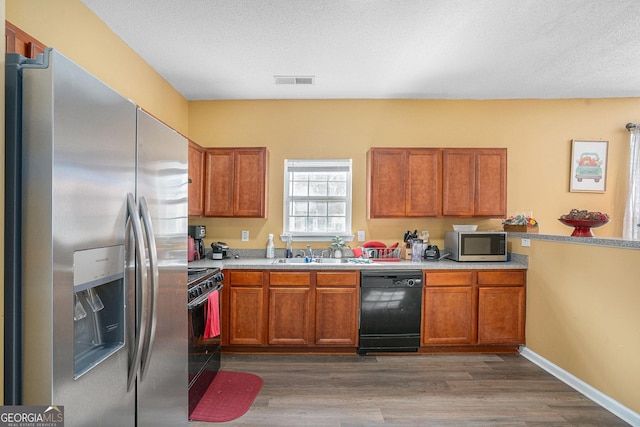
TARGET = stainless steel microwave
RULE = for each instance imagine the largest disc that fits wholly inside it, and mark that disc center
(476, 245)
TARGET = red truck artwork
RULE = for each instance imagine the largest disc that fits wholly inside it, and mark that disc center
(589, 167)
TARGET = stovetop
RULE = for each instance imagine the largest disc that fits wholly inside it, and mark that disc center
(198, 274)
(201, 282)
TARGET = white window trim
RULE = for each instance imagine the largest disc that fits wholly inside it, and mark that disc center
(317, 236)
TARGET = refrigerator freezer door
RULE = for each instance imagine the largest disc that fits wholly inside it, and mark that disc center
(162, 182)
(78, 166)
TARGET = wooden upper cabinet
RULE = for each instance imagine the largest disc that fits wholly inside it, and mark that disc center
(250, 168)
(491, 182)
(235, 182)
(423, 182)
(458, 177)
(386, 182)
(474, 182)
(196, 179)
(403, 182)
(218, 182)
(17, 41)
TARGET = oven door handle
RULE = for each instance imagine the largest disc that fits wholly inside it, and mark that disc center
(153, 286)
(133, 223)
(202, 299)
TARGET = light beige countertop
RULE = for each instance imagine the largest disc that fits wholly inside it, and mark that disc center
(251, 263)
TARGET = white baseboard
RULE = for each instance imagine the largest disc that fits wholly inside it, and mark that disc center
(598, 397)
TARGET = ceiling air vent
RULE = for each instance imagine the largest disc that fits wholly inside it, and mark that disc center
(295, 80)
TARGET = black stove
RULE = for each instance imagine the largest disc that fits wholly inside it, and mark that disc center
(204, 347)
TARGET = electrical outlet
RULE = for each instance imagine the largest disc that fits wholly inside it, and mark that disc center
(360, 235)
(245, 235)
(526, 242)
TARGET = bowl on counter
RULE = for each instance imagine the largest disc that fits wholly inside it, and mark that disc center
(582, 227)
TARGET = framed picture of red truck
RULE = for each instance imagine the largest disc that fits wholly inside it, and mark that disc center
(589, 166)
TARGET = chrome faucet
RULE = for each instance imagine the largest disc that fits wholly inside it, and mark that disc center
(310, 251)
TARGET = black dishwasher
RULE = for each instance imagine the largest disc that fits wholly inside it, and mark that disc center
(390, 310)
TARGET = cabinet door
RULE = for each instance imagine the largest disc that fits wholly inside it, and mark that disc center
(386, 186)
(458, 181)
(501, 318)
(448, 309)
(290, 309)
(246, 316)
(337, 309)
(448, 316)
(501, 307)
(491, 182)
(423, 183)
(196, 179)
(219, 182)
(244, 311)
(250, 175)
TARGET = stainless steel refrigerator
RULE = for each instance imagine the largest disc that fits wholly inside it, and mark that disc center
(101, 235)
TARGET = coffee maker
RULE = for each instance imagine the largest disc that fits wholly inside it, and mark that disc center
(198, 232)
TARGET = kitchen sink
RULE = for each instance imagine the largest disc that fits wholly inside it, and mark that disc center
(315, 261)
(331, 260)
(290, 261)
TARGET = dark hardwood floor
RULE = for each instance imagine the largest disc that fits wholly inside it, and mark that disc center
(410, 390)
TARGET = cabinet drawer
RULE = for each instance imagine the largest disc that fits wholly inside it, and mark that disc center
(504, 278)
(289, 278)
(449, 278)
(245, 278)
(348, 278)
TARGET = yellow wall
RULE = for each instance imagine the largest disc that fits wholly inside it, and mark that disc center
(537, 133)
(74, 30)
(582, 314)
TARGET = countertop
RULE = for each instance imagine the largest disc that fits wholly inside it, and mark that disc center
(251, 263)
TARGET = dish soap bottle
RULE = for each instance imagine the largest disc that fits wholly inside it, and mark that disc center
(271, 250)
(289, 250)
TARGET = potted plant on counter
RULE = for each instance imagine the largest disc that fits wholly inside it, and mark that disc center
(337, 244)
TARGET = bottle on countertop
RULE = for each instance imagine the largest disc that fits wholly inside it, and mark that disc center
(271, 250)
(289, 250)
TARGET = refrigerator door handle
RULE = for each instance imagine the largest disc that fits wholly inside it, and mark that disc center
(147, 349)
(142, 292)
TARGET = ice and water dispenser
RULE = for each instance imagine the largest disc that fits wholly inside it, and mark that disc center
(98, 306)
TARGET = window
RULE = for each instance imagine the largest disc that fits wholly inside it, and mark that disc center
(317, 199)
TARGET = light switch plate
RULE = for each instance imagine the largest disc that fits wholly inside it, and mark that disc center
(526, 242)
(360, 235)
(245, 235)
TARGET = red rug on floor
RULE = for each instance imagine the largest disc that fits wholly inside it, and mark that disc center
(228, 397)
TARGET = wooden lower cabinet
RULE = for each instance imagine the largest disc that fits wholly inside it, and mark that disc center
(463, 310)
(501, 307)
(290, 309)
(246, 325)
(293, 309)
(448, 309)
(337, 298)
(474, 308)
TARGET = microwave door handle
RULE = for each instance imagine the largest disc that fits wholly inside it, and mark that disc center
(149, 339)
(142, 294)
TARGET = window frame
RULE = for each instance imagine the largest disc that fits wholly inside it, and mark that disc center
(323, 165)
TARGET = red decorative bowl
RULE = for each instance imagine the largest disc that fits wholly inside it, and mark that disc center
(582, 227)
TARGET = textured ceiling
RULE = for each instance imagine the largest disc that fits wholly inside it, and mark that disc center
(414, 49)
